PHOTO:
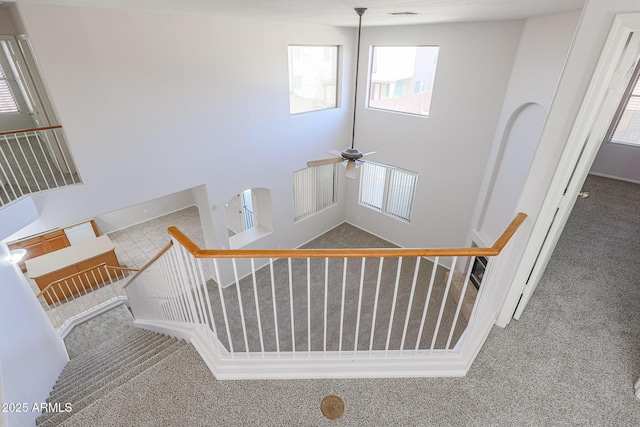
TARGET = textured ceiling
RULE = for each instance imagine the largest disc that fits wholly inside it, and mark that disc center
(340, 12)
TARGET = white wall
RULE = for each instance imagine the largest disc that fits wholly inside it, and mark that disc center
(542, 53)
(144, 211)
(592, 31)
(156, 103)
(16, 216)
(32, 354)
(617, 161)
(448, 149)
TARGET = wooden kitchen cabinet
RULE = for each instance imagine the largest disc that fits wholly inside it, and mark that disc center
(69, 261)
(45, 243)
(55, 241)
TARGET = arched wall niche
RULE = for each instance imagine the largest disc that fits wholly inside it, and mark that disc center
(517, 149)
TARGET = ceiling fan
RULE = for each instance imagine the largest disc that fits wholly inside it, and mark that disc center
(351, 156)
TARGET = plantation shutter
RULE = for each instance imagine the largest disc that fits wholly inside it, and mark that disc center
(401, 190)
(627, 127)
(388, 189)
(8, 102)
(372, 182)
(314, 189)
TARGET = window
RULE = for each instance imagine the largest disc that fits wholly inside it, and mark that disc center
(401, 78)
(625, 128)
(314, 189)
(313, 77)
(8, 102)
(388, 189)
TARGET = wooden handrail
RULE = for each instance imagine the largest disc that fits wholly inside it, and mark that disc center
(122, 268)
(69, 277)
(103, 264)
(11, 132)
(494, 250)
(151, 261)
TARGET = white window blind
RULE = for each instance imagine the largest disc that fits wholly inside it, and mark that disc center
(314, 189)
(627, 125)
(388, 189)
(8, 102)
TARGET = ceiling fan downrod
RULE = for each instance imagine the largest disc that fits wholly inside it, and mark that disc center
(360, 11)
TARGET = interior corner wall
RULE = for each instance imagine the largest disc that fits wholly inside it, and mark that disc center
(617, 161)
(538, 65)
(144, 211)
(32, 354)
(154, 103)
(592, 31)
(449, 149)
(6, 22)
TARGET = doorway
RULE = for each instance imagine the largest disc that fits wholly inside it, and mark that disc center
(610, 79)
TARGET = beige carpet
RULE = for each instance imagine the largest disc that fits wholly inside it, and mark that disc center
(354, 324)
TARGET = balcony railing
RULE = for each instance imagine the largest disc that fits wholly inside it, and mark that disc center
(318, 312)
(82, 292)
(34, 160)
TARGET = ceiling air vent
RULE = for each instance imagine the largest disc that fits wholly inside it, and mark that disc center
(402, 13)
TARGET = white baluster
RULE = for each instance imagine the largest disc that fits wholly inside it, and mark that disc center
(444, 302)
(427, 301)
(393, 304)
(375, 305)
(410, 304)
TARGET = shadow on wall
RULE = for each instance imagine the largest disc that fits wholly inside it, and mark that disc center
(518, 146)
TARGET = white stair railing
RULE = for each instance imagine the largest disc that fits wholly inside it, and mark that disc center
(316, 313)
(79, 293)
(34, 160)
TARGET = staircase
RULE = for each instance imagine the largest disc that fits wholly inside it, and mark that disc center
(87, 378)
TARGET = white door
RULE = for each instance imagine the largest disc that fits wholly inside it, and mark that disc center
(17, 108)
(611, 77)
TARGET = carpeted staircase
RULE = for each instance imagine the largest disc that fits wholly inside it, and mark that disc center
(96, 373)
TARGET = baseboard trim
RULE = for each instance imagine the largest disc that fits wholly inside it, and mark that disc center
(68, 326)
(485, 329)
(308, 366)
(617, 178)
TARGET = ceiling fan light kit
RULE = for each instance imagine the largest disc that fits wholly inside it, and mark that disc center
(352, 157)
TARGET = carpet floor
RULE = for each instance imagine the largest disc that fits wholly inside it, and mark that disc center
(343, 291)
(97, 330)
(571, 360)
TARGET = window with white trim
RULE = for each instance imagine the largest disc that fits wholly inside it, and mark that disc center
(8, 102)
(388, 189)
(313, 78)
(625, 128)
(314, 189)
(401, 78)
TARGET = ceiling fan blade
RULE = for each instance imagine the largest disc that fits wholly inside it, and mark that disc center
(324, 162)
(335, 152)
(369, 153)
(351, 170)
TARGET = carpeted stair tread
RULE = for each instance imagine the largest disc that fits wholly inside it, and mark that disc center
(104, 348)
(54, 419)
(121, 350)
(93, 390)
(79, 380)
(75, 379)
(104, 368)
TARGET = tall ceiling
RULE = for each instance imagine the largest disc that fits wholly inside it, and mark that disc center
(340, 12)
